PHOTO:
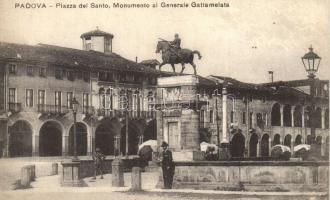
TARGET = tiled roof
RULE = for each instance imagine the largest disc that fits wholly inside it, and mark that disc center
(96, 32)
(63, 56)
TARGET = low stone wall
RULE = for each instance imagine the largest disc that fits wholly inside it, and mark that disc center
(251, 175)
(87, 166)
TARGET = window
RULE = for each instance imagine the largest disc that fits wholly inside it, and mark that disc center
(70, 75)
(250, 120)
(29, 70)
(58, 74)
(41, 100)
(244, 118)
(12, 68)
(69, 97)
(202, 116)
(85, 100)
(12, 95)
(29, 98)
(211, 116)
(232, 117)
(58, 100)
(42, 72)
(86, 76)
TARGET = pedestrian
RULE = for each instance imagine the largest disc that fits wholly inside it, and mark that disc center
(168, 166)
(98, 158)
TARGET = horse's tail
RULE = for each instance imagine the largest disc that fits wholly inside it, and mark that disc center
(199, 54)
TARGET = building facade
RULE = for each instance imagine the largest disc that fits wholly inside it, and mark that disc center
(39, 82)
(250, 118)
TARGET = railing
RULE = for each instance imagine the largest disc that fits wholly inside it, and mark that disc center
(122, 113)
(15, 107)
(52, 109)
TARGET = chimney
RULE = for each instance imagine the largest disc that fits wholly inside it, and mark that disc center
(271, 76)
(136, 59)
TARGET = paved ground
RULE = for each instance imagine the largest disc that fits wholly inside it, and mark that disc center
(48, 187)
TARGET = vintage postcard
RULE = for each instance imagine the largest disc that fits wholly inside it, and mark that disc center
(164, 99)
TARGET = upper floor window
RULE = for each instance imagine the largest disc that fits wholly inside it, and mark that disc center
(12, 68)
(29, 70)
(85, 100)
(29, 98)
(232, 117)
(244, 118)
(211, 116)
(12, 95)
(42, 72)
(69, 98)
(58, 98)
(58, 74)
(41, 97)
(70, 75)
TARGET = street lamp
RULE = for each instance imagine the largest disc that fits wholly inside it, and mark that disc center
(75, 104)
(311, 62)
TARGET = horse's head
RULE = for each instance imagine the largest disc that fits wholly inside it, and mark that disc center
(161, 46)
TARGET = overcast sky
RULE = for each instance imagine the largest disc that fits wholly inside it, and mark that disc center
(282, 31)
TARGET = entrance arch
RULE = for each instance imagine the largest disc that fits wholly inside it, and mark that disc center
(50, 139)
(287, 141)
(150, 133)
(298, 140)
(104, 135)
(81, 140)
(20, 139)
(253, 145)
(265, 145)
(277, 139)
(238, 145)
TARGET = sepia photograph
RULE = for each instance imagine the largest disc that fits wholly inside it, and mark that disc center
(169, 100)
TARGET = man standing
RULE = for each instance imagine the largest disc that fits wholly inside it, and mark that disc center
(167, 166)
(98, 158)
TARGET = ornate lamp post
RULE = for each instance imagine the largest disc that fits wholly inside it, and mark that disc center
(311, 62)
(75, 104)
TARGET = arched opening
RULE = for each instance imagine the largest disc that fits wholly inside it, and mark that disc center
(276, 115)
(318, 118)
(307, 116)
(253, 145)
(20, 139)
(133, 139)
(277, 139)
(50, 139)
(150, 133)
(287, 141)
(318, 142)
(287, 116)
(105, 135)
(298, 139)
(81, 140)
(326, 119)
(297, 116)
(260, 121)
(309, 139)
(265, 145)
(238, 145)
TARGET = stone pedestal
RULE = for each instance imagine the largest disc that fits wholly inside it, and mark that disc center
(136, 179)
(224, 153)
(25, 176)
(117, 173)
(71, 174)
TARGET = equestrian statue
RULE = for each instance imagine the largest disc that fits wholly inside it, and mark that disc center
(173, 54)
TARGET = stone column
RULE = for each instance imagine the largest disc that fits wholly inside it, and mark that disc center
(35, 145)
(136, 179)
(281, 110)
(65, 145)
(292, 116)
(224, 116)
(89, 144)
(258, 148)
(269, 146)
(323, 144)
(292, 146)
(323, 118)
(303, 116)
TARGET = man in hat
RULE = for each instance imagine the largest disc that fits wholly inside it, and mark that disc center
(98, 158)
(176, 43)
(167, 166)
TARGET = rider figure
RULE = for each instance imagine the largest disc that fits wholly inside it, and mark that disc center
(176, 44)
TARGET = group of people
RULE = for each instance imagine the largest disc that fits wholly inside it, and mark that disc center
(166, 160)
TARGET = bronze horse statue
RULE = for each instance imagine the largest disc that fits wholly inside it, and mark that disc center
(173, 56)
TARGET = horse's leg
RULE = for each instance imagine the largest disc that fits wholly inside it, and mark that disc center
(194, 66)
(183, 67)
(173, 67)
(160, 65)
